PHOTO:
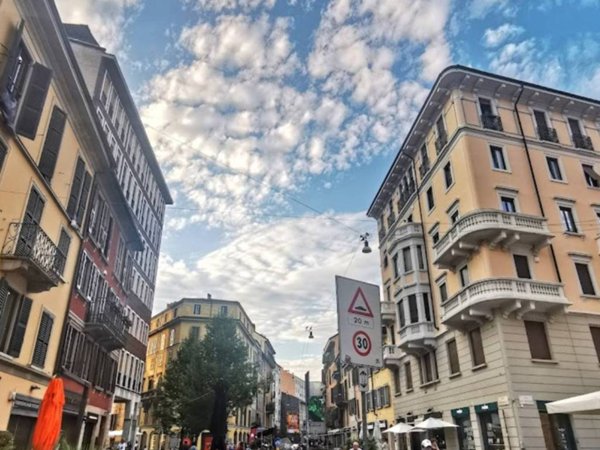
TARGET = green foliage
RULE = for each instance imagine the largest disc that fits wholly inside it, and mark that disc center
(6, 440)
(205, 373)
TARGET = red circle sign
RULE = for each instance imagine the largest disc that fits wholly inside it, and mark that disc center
(361, 343)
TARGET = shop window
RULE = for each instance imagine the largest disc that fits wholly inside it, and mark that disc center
(556, 428)
(490, 426)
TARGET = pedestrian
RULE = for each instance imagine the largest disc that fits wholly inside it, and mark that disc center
(434, 444)
(240, 446)
(356, 446)
(384, 444)
(426, 445)
(193, 447)
(122, 445)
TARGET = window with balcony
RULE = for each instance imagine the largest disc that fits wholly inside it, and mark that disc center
(498, 158)
(428, 366)
(585, 278)
(453, 213)
(554, 168)
(579, 139)
(435, 233)
(453, 361)
(13, 320)
(595, 332)
(522, 266)
(545, 131)
(408, 376)
(442, 136)
(538, 340)
(568, 218)
(62, 251)
(592, 179)
(489, 119)
(476, 344)
(508, 204)
(463, 275)
(407, 259)
(448, 178)
(430, 199)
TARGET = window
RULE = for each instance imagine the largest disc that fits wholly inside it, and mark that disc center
(407, 259)
(448, 175)
(464, 276)
(194, 332)
(591, 177)
(498, 160)
(395, 265)
(430, 200)
(396, 372)
(51, 146)
(476, 342)
(538, 340)
(197, 309)
(435, 237)
(62, 252)
(554, 168)
(441, 129)
(585, 278)
(408, 375)
(80, 188)
(413, 309)
(485, 106)
(401, 314)
(172, 337)
(224, 310)
(545, 132)
(443, 292)
(42, 341)
(385, 261)
(388, 293)
(453, 357)
(508, 204)
(420, 262)
(595, 331)
(522, 266)
(579, 140)
(568, 219)
(13, 320)
(428, 366)
(454, 216)
(426, 307)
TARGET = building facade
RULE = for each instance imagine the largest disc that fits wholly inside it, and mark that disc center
(131, 273)
(488, 220)
(51, 152)
(188, 318)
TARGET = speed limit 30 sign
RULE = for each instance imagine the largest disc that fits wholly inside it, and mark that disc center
(359, 322)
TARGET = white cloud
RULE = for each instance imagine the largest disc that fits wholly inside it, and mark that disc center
(478, 9)
(493, 37)
(230, 5)
(281, 272)
(106, 18)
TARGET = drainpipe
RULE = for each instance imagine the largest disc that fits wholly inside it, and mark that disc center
(431, 302)
(535, 184)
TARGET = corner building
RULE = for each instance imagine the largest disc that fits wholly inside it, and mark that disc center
(488, 222)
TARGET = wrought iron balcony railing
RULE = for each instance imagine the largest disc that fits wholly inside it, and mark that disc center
(548, 134)
(29, 250)
(492, 122)
(583, 142)
(424, 168)
(440, 142)
(107, 323)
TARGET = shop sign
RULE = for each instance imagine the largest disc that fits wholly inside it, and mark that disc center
(526, 400)
(486, 407)
(460, 413)
(25, 402)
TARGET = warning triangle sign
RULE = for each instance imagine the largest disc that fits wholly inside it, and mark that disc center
(360, 305)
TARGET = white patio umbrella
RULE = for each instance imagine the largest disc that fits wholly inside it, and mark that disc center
(399, 428)
(432, 424)
(584, 404)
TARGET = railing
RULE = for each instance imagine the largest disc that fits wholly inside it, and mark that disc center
(424, 167)
(388, 308)
(488, 218)
(390, 352)
(492, 122)
(405, 229)
(440, 142)
(29, 242)
(548, 134)
(504, 288)
(416, 328)
(109, 316)
(583, 142)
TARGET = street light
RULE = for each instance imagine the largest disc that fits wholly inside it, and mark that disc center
(310, 333)
(365, 239)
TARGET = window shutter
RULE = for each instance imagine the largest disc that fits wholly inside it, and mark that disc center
(594, 330)
(538, 340)
(33, 103)
(453, 357)
(63, 250)
(83, 198)
(477, 347)
(16, 341)
(43, 339)
(54, 135)
(3, 295)
(8, 104)
(75, 188)
(585, 279)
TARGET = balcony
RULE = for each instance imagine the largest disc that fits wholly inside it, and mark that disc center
(417, 337)
(404, 231)
(107, 324)
(547, 134)
(391, 355)
(440, 142)
(29, 251)
(388, 312)
(478, 301)
(424, 168)
(584, 142)
(498, 228)
(492, 122)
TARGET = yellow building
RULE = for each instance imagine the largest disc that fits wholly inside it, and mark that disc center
(188, 318)
(49, 150)
(488, 222)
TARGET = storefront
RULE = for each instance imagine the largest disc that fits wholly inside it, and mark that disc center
(22, 419)
(462, 418)
(558, 433)
(490, 426)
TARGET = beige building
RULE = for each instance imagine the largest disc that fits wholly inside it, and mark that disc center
(188, 318)
(488, 222)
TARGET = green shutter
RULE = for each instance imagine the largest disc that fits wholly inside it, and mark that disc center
(16, 341)
(85, 190)
(75, 188)
(33, 102)
(8, 105)
(54, 135)
(3, 295)
(43, 339)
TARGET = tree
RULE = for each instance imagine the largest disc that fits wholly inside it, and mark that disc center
(206, 381)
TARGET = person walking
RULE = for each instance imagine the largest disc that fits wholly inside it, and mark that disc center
(356, 446)
(426, 445)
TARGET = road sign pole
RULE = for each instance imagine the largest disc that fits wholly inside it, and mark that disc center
(363, 413)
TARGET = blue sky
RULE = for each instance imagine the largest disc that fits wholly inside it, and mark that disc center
(275, 121)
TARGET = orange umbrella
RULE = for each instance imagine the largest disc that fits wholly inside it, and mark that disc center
(47, 427)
